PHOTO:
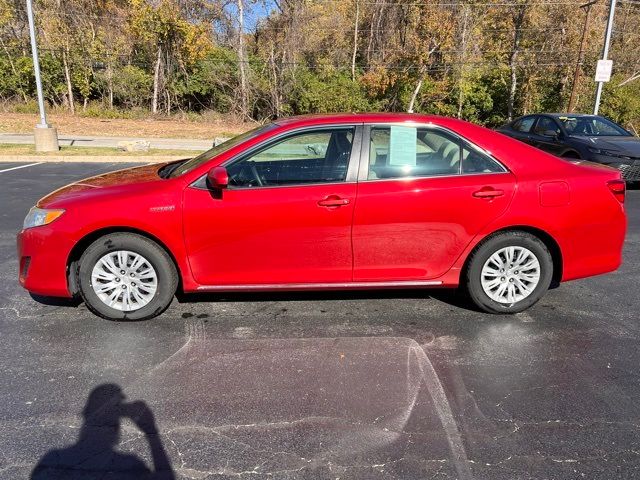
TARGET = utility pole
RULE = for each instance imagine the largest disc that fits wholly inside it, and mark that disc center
(605, 52)
(576, 74)
(45, 136)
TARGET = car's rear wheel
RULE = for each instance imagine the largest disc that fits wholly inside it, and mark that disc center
(125, 276)
(508, 272)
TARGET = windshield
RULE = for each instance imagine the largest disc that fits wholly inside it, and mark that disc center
(218, 149)
(592, 127)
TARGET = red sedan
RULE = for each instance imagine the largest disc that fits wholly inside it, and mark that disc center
(353, 201)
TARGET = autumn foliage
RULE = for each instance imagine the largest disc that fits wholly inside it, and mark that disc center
(481, 60)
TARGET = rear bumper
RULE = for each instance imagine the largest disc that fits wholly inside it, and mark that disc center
(595, 247)
(42, 256)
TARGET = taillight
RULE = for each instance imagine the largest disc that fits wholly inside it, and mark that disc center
(618, 188)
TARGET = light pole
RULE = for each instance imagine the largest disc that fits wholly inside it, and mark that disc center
(45, 136)
(605, 52)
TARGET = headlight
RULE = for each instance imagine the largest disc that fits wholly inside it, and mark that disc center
(40, 216)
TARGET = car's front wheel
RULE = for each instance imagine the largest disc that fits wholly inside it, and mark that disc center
(509, 272)
(125, 276)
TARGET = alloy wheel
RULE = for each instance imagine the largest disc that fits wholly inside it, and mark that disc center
(124, 280)
(510, 275)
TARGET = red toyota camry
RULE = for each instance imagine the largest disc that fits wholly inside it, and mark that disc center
(352, 201)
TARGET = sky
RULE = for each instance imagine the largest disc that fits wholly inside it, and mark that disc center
(254, 12)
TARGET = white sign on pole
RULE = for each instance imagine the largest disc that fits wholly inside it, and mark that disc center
(603, 70)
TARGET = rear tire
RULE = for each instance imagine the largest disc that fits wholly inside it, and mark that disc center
(125, 276)
(508, 272)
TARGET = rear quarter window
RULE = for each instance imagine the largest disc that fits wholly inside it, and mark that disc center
(524, 124)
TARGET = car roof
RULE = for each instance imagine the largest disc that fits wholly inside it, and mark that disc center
(574, 115)
(356, 118)
(559, 115)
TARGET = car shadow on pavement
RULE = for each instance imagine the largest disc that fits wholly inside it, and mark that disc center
(450, 296)
(94, 455)
(56, 301)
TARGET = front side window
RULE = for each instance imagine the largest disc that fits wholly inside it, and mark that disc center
(218, 150)
(318, 156)
(592, 127)
(400, 151)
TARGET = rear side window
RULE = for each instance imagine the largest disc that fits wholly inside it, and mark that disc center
(400, 151)
(546, 124)
(474, 161)
(524, 124)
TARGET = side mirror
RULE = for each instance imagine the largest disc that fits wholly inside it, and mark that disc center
(551, 133)
(218, 178)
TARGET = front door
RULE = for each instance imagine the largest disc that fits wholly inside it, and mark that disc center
(285, 217)
(420, 205)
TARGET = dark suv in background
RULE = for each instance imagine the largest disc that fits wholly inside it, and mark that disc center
(587, 137)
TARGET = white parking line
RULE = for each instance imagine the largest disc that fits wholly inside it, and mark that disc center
(20, 166)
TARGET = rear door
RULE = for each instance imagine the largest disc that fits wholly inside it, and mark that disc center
(521, 128)
(423, 194)
(285, 217)
(547, 136)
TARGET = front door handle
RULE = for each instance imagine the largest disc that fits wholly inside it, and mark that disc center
(488, 192)
(333, 201)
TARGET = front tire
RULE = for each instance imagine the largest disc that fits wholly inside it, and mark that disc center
(125, 276)
(509, 272)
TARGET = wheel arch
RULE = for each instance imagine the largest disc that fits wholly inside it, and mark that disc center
(89, 238)
(545, 237)
(571, 153)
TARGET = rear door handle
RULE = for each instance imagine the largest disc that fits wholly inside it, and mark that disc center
(333, 201)
(488, 192)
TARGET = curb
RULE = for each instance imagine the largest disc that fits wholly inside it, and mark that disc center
(92, 158)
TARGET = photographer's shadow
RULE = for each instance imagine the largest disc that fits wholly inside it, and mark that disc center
(94, 454)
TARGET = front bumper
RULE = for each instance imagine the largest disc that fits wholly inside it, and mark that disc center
(628, 167)
(42, 256)
(631, 172)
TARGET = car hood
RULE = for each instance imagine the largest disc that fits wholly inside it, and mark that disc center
(626, 145)
(94, 186)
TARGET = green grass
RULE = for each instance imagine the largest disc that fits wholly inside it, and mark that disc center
(16, 149)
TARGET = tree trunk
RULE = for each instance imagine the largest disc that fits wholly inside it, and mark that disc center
(380, 45)
(576, 74)
(463, 52)
(156, 81)
(423, 75)
(414, 95)
(370, 41)
(13, 69)
(355, 42)
(244, 97)
(110, 84)
(67, 76)
(275, 87)
(518, 21)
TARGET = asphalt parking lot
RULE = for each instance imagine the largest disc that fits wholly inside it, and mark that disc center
(366, 385)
